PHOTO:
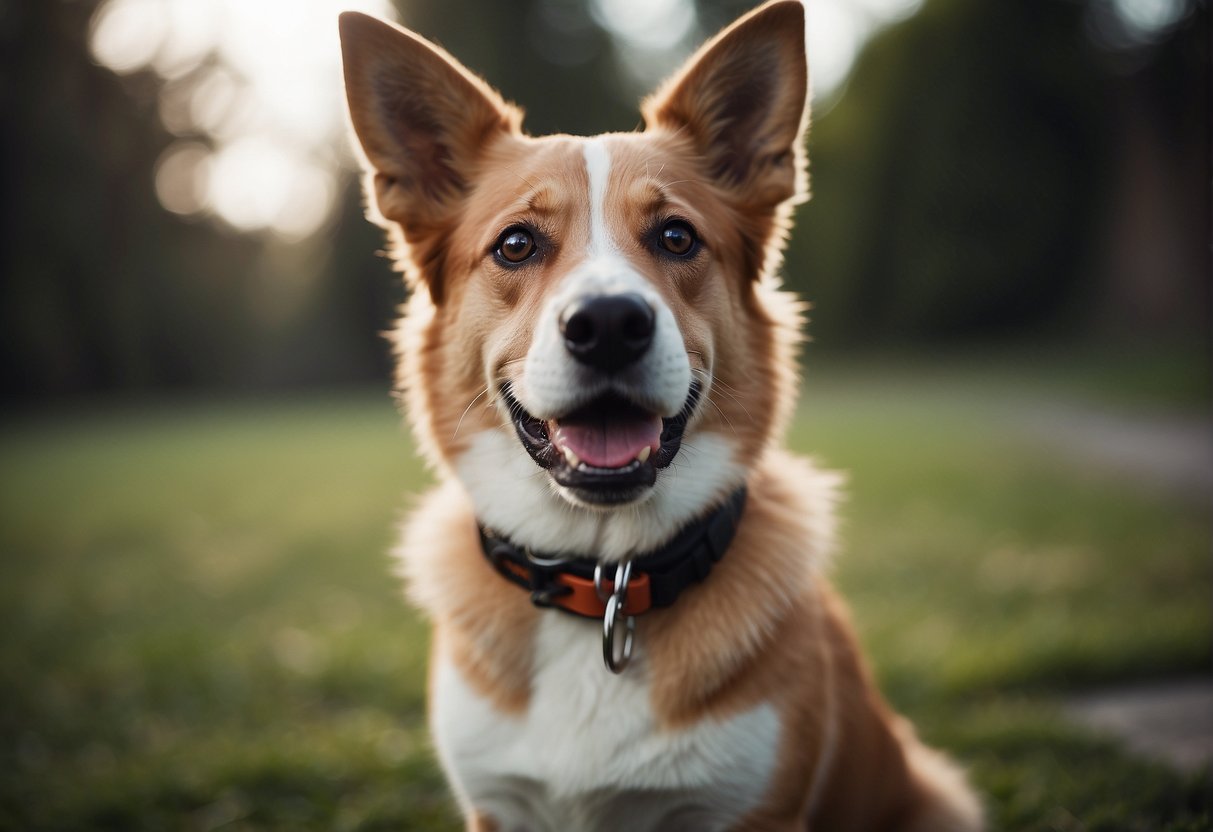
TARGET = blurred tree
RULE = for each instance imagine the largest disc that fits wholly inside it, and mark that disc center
(1154, 244)
(93, 293)
(100, 288)
(962, 179)
(548, 56)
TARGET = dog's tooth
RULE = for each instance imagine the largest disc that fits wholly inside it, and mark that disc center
(644, 454)
(571, 458)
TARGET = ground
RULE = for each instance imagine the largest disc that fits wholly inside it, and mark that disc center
(202, 630)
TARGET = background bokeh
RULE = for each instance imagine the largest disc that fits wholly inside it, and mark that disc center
(179, 210)
(201, 468)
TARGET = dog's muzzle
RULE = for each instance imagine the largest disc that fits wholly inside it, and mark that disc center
(605, 432)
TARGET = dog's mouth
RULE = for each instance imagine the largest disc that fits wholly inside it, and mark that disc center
(607, 451)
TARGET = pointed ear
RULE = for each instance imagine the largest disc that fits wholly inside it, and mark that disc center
(742, 99)
(421, 117)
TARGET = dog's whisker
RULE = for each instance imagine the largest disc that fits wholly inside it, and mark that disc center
(716, 384)
(532, 185)
(723, 385)
(708, 399)
(691, 447)
(459, 424)
(683, 181)
(723, 415)
(739, 403)
(727, 388)
(648, 161)
(678, 132)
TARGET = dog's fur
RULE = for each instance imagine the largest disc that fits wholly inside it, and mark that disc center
(748, 705)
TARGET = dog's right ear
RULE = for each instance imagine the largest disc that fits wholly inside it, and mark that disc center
(421, 117)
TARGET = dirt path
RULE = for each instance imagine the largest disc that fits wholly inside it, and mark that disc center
(1171, 721)
(1170, 454)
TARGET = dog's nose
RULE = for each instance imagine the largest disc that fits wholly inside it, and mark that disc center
(608, 332)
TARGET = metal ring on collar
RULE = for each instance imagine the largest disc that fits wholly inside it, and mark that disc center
(614, 611)
(623, 575)
(543, 563)
(603, 595)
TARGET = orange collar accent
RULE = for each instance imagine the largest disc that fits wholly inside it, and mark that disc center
(566, 582)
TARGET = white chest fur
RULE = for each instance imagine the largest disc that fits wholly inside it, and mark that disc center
(587, 755)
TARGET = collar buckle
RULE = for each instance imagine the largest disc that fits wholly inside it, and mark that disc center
(543, 574)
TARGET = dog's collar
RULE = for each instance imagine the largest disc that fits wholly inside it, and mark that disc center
(575, 584)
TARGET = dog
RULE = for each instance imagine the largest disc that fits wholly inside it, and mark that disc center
(624, 571)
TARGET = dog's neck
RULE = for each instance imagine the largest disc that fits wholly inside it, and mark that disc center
(513, 497)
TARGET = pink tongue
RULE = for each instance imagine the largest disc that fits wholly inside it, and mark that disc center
(609, 444)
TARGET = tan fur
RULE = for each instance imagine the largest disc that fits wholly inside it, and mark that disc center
(448, 169)
(480, 623)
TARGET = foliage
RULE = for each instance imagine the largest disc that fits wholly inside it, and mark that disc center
(966, 183)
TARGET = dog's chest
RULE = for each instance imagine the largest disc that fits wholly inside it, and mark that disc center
(588, 754)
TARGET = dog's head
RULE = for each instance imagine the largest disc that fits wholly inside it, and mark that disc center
(594, 330)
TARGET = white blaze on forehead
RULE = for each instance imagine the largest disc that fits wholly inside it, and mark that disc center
(554, 383)
(598, 166)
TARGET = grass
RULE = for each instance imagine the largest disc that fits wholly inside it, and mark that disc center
(201, 630)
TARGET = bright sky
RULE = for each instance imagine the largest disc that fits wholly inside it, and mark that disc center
(262, 128)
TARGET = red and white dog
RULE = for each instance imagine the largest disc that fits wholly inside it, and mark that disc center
(624, 571)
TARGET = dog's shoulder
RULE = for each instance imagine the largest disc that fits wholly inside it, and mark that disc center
(711, 649)
(482, 622)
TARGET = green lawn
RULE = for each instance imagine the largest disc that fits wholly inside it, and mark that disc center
(201, 630)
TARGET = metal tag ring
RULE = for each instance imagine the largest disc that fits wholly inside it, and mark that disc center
(614, 611)
(623, 575)
(603, 595)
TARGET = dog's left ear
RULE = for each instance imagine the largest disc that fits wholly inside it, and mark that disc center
(742, 99)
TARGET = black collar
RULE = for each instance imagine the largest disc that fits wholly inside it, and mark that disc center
(566, 582)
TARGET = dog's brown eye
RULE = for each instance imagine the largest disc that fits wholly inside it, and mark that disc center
(677, 238)
(516, 246)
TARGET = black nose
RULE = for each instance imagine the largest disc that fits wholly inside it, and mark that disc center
(608, 332)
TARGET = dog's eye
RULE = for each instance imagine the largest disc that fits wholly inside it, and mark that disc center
(677, 238)
(516, 245)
